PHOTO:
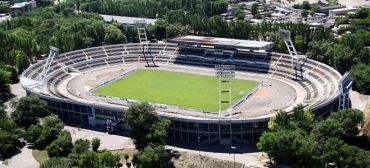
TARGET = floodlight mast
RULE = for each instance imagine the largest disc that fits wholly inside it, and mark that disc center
(225, 73)
(146, 48)
(344, 87)
(297, 60)
(54, 52)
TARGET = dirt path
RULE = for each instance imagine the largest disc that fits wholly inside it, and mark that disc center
(18, 92)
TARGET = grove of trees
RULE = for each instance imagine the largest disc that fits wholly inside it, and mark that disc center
(302, 140)
(12, 129)
(152, 8)
(149, 133)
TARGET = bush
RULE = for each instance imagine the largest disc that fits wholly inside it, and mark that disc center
(152, 156)
(360, 74)
(95, 143)
(29, 110)
(56, 163)
(62, 146)
(81, 146)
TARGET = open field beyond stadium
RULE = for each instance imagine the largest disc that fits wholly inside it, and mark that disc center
(173, 88)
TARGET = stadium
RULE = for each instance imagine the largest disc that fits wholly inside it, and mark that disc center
(179, 78)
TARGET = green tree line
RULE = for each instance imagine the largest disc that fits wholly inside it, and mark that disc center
(152, 8)
(303, 140)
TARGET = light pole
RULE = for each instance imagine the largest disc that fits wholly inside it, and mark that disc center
(233, 148)
(198, 145)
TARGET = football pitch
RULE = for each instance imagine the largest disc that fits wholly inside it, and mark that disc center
(174, 88)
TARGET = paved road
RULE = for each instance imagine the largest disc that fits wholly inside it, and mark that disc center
(4, 18)
(358, 100)
(18, 92)
(23, 160)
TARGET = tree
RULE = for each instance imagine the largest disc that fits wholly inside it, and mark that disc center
(33, 133)
(281, 121)
(152, 156)
(360, 74)
(254, 9)
(337, 55)
(29, 110)
(299, 43)
(19, 59)
(107, 159)
(56, 162)
(81, 146)
(2, 110)
(344, 124)
(304, 119)
(159, 28)
(126, 156)
(113, 35)
(35, 49)
(13, 73)
(8, 143)
(62, 146)
(50, 127)
(7, 125)
(351, 120)
(173, 30)
(4, 84)
(362, 13)
(300, 140)
(240, 15)
(343, 155)
(95, 143)
(4, 8)
(290, 147)
(147, 128)
(306, 5)
(89, 160)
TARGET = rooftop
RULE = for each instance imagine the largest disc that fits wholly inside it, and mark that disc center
(128, 20)
(223, 42)
(20, 5)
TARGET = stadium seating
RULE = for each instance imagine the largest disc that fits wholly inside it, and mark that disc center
(320, 81)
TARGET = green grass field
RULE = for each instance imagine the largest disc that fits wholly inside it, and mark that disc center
(173, 88)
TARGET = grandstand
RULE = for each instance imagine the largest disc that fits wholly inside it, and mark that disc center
(73, 75)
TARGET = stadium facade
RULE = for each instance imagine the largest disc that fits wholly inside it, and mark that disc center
(320, 87)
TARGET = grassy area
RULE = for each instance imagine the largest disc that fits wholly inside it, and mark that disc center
(6, 162)
(174, 88)
(40, 156)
